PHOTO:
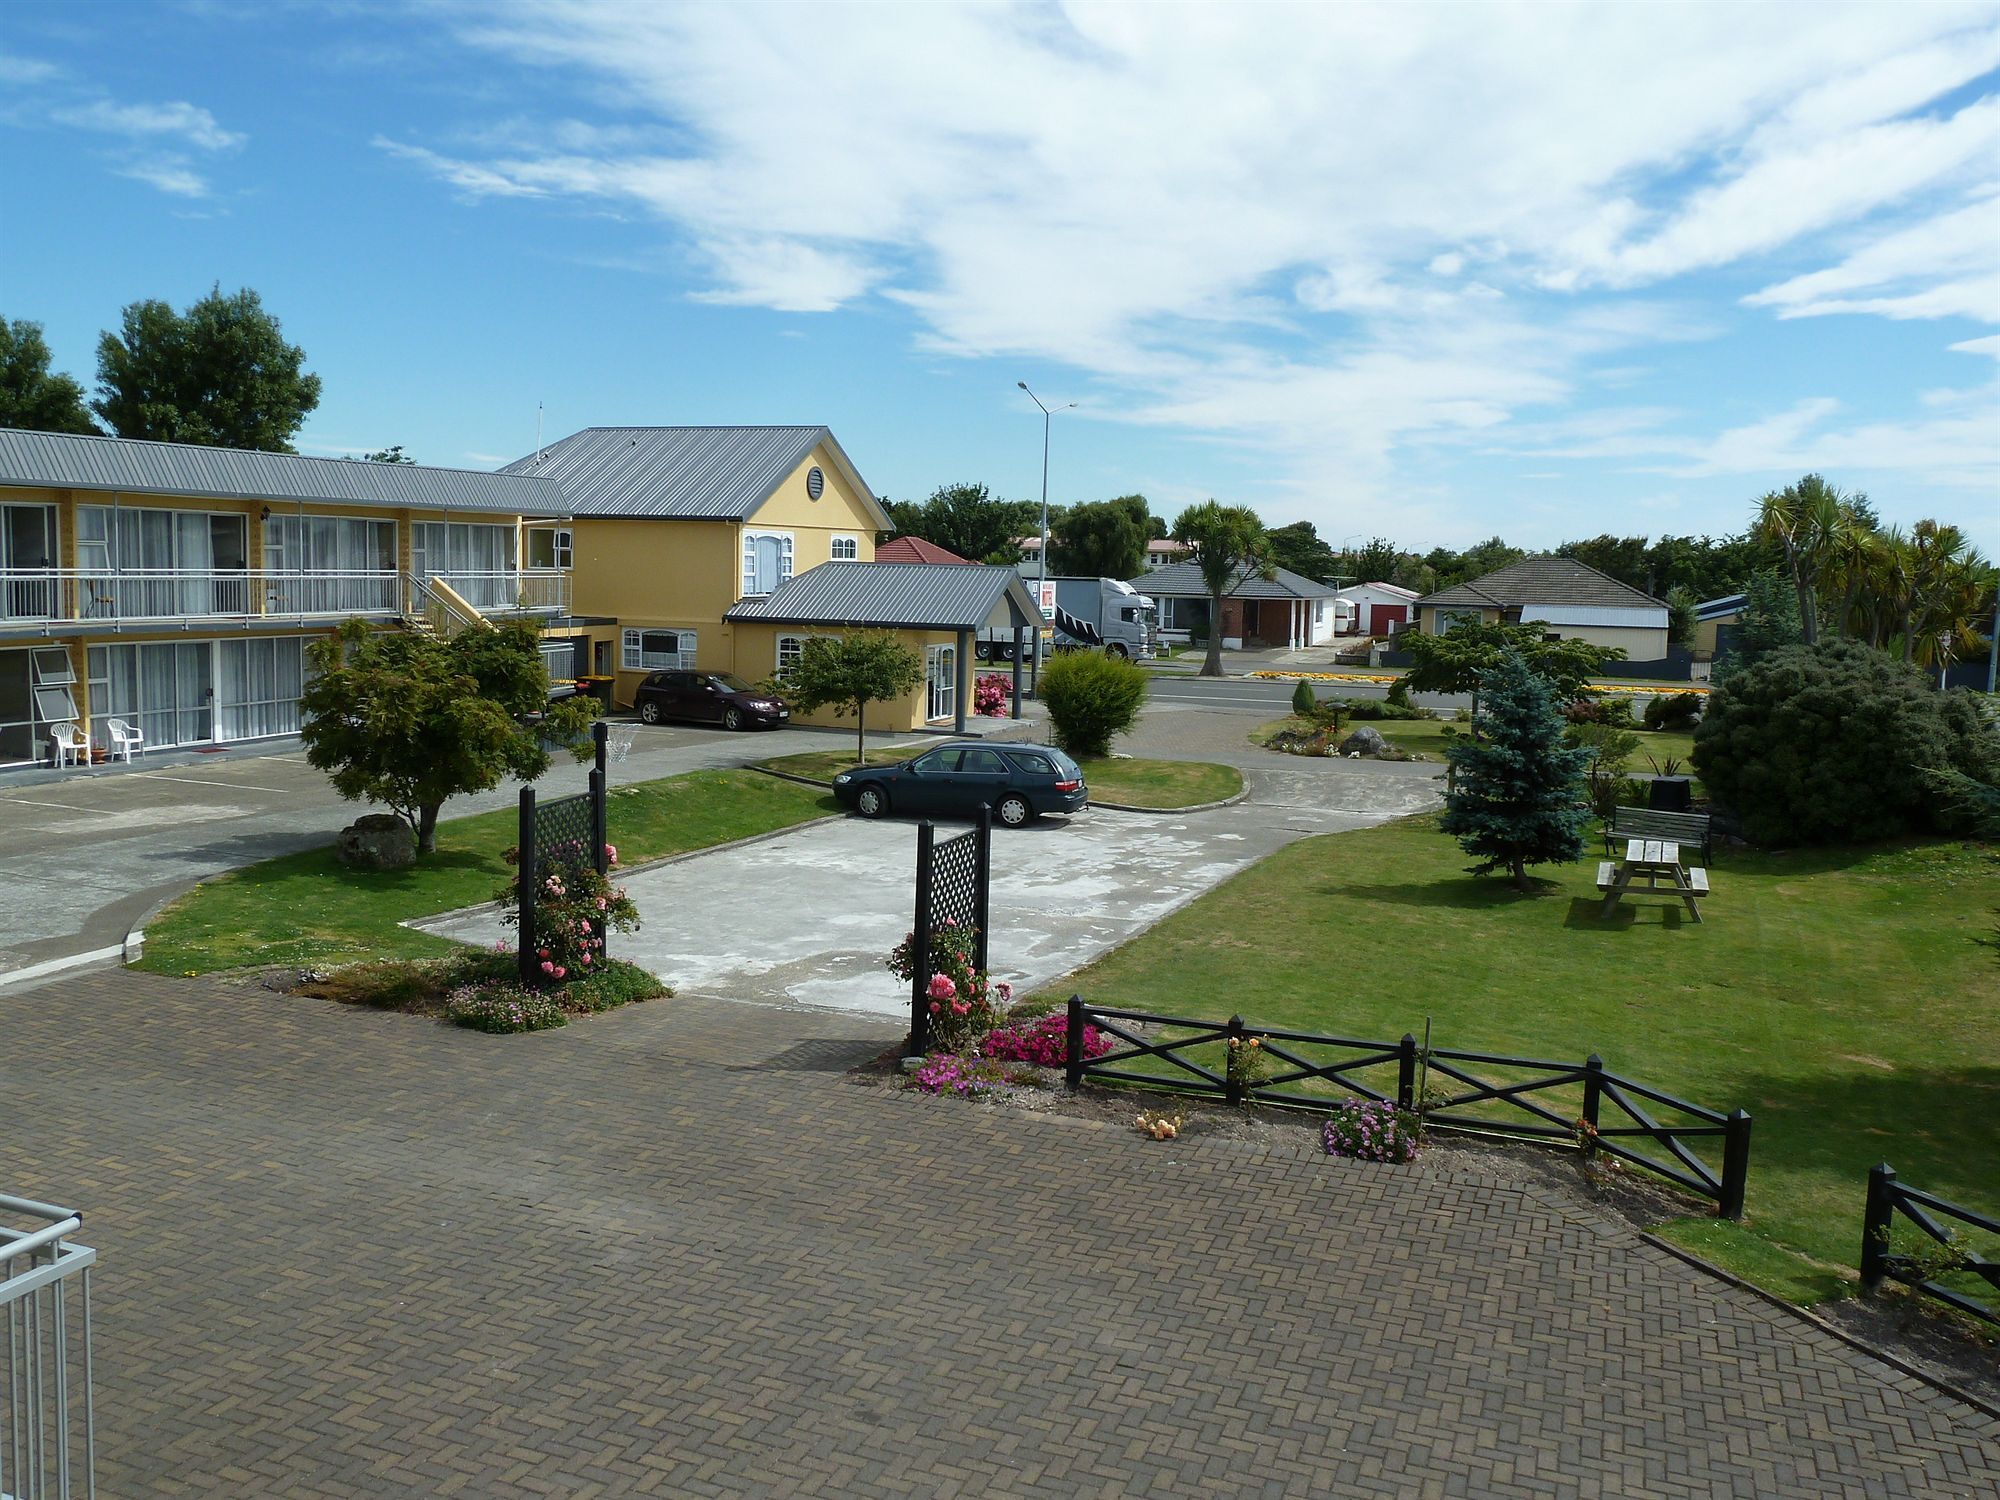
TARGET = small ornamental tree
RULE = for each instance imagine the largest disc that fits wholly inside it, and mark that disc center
(409, 720)
(1092, 697)
(850, 672)
(1515, 792)
(1227, 544)
(1770, 623)
(1458, 660)
(1839, 743)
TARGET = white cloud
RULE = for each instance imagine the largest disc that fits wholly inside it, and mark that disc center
(1160, 199)
(187, 122)
(1988, 345)
(21, 70)
(169, 176)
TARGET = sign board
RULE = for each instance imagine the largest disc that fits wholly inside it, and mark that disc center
(1048, 592)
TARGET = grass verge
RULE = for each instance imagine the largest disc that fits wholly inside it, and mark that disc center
(1162, 784)
(1427, 738)
(1845, 997)
(311, 910)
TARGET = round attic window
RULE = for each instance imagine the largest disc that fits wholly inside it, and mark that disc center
(815, 483)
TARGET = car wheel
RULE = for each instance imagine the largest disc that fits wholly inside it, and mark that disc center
(732, 719)
(649, 712)
(1013, 811)
(872, 802)
(1117, 649)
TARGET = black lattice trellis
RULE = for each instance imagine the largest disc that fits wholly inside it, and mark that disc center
(953, 880)
(568, 831)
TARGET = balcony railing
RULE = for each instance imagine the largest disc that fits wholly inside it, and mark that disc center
(48, 1440)
(152, 595)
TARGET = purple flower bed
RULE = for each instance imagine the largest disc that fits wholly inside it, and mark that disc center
(1367, 1130)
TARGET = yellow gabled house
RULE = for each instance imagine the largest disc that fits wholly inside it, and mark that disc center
(691, 547)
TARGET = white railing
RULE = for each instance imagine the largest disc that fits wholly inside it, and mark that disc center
(48, 1436)
(130, 595)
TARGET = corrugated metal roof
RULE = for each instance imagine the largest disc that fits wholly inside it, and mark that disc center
(682, 473)
(62, 460)
(915, 596)
(1184, 581)
(1545, 580)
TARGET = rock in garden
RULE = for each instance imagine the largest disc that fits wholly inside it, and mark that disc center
(380, 841)
(1365, 741)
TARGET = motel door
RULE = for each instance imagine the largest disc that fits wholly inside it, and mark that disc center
(942, 662)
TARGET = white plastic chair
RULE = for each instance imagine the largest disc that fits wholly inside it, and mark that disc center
(72, 744)
(124, 739)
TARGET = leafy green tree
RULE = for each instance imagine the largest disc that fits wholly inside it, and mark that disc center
(1770, 622)
(1100, 539)
(1092, 696)
(1838, 743)
(31, 395)
(1459, 660)
(968, 520)
(408, 720)
(860, 668)
(1375, 563)
(1681, 618)
(1513, 800)
(220, 374)
(1227, 543)
(1298, 548)
(393, 454)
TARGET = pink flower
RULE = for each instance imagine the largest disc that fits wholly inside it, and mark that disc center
(959, 1007)
(611, 853)
(935, 1007)
(547, 967)
(941, 987)
(1005, 991)
(560, 971)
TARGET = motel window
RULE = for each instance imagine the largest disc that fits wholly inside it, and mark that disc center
(649, 650)
(549, 547)
(846, 549)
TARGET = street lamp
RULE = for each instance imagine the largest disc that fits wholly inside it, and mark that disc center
(1042, 563)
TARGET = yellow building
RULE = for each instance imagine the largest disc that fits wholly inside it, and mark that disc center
(171, 587)
(691, 546)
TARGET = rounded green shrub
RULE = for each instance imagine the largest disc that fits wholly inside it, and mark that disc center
(1091, 698)
(1303, 699)
(1835, 743)
(1673, 710)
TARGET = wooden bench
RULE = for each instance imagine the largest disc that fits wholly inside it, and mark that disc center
(1644, 823)
(1698, 880)
(1607, 874)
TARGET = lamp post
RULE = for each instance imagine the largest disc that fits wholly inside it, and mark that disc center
(1042, 557)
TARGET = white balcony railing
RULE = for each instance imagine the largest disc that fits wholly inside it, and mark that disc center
(48, 1440)
(148, 595)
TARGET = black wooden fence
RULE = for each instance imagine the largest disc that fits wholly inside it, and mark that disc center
(567, 831)
(954, 879)
(1618, 1112)
(1935, 1217)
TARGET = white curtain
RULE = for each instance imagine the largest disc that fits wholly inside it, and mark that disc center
(164, 687)
(257, 691)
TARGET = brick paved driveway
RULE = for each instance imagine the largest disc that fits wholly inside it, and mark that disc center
(670, 1251)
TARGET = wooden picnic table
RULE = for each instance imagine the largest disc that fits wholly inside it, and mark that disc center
(1657, 862)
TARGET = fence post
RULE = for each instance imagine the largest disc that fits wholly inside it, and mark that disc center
(920, 944)
(982, 880)
(1232, 1070)
(599, 860)
(1735, 1165)
(1406, 1072)
(1073, 1045)
(529, 877)
(600, 733)
(1875, 1220)
(1593, 1088)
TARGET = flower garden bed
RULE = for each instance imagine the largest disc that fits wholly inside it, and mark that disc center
(480, 990)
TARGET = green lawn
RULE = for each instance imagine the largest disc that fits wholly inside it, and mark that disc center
(309, 909)
(1163, 784)
(1849, 999)
(1427, 737)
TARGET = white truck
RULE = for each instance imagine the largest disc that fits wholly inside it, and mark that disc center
(1085, 614)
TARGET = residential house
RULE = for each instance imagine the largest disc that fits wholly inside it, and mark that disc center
(1286, 609)
(1715, 625)
(1160, 552)
(692, 547)
(173, 587)
(914, 549)
(1376, 608)
(1568, 599)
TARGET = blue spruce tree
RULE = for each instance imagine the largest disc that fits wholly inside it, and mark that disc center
(1516, 796)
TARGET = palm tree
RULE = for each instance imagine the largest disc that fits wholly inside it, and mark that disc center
(1946, 601)
(1226, 542)
(1809, 521)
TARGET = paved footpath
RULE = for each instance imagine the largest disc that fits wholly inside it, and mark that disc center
(673, 1251)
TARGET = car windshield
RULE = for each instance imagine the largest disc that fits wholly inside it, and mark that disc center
(729, 682)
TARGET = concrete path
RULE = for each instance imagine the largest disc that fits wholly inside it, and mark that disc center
(101, 848)
(808, 917)
(673, 1251)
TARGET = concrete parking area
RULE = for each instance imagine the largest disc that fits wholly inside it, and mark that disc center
(807, 917)
(100, 848)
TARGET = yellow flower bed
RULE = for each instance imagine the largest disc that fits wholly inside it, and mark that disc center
(1647, 690)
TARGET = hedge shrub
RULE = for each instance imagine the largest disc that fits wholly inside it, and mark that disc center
(1834, 743)
(1091, 697)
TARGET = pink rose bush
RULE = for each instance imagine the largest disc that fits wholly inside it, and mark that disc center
(1043, 1042)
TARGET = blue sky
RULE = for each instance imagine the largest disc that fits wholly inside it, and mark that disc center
(1427, 272)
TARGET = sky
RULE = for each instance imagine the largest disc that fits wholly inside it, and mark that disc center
(1431, 272)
